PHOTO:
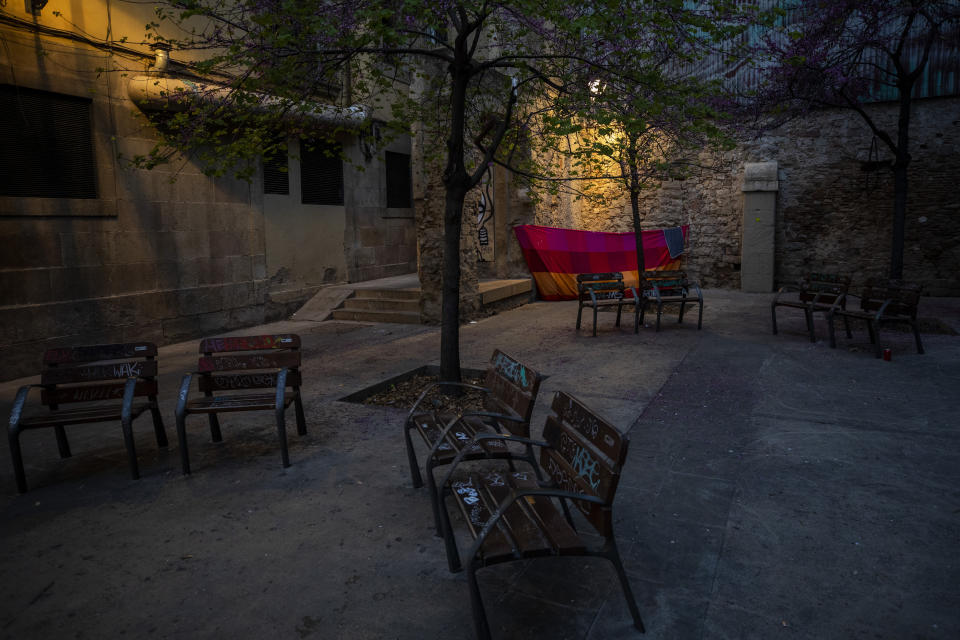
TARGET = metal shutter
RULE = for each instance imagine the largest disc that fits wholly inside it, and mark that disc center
(321, 173)
(47, 145)
(398, 180)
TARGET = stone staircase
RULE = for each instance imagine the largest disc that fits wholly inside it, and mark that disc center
(381, 305)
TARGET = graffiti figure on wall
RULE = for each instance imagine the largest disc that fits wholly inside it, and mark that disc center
(485, 240)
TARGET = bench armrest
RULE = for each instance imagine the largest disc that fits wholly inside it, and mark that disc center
(423, 394)
(476, 439)
(281, 390)
(450, 425)
(16, 412)
(126, 409)
(183, 393)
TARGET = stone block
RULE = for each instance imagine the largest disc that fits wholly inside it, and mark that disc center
(191, 188)
(371, 237)
(240, 268)
(27, 286)
(192, 302)
(86, 248)
(134, 246)
(365, 256)
(79, 283)
(28, 245)
(239, 295)
(231, 190)
(258, 263)
(137, 215)
(229, 243)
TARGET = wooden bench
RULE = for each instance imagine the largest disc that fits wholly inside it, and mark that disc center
(511, 516)
(597, 290)
(100, 384)
(671, 287)
(229, 369)
(880, 302)
(510, 392)
(815, 293)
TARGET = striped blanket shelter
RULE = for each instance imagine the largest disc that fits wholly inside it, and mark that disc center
(555, 256)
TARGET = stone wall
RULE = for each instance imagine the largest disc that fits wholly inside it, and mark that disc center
(831, 214)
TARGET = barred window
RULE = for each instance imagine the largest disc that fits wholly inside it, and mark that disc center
(276, 174)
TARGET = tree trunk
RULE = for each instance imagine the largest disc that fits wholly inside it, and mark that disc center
(450, 303)
(456, 182)
(900, 185)
(634, 186)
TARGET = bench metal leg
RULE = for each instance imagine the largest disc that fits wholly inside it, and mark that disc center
(613, 555)
(659, 313)
(700, 317)
(215, 434)
(773, 313)
(594, 321)
(683, 304)
(127, 426)
(619, 310)
(282, 434)
(17, 458)
(476, 605)
(415, 477)
(579, 314)
(298, 408)
(449, 541)
(916, 335)
(874, 330)
(832, 331)
(808, 316)
(432, 490)
(182, 442)
(62, 443)
(636, 317)
(158, 430)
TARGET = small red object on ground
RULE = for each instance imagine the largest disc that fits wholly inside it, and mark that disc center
(887, 355)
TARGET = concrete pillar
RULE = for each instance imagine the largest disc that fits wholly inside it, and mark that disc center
(760, 186)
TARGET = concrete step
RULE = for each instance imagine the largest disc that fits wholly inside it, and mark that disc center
(357, 315)
(390, 294)
(381, 304)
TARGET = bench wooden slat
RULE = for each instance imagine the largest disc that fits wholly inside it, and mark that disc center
(277, 360)
(79, 416)
(250, 343)
(235, 381)
(472, 502)
(554, 526)
(96, 392)
(94, 353)
(92, 372)
(522, 531)
(248, 402)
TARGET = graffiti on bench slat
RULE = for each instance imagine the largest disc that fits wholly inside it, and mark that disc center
(563, 481)
(583, 463)
(511, 369)
(471, 497)
(88, 394)
(245, 381)
(229, 363)
(244, 343)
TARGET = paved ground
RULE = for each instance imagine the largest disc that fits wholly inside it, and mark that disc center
(774, 488)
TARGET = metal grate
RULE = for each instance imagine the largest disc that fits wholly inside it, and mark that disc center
(398, 180)
(321, 173)
(47, 145)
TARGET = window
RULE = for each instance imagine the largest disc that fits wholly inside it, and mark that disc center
(321, 173)
(47, 149)
(276, 174)
(398, 180)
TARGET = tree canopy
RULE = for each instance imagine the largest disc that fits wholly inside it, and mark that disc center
(481, 78)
